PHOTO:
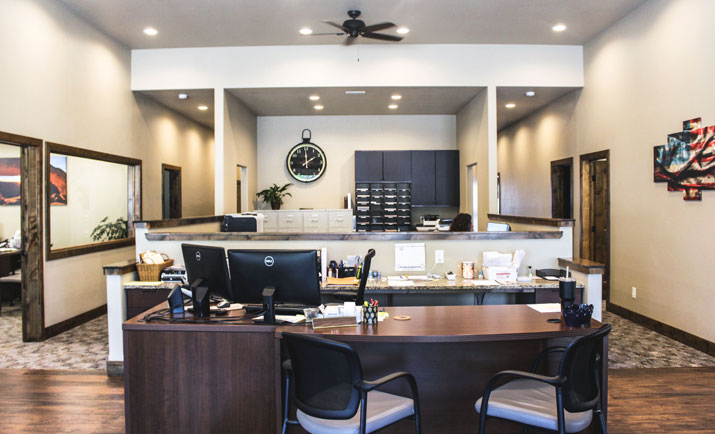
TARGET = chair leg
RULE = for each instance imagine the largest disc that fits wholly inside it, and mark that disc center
(286, 404)
(603, 422)
(482, 423)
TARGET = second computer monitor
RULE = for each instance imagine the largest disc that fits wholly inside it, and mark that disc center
(208, 263)
(293, 273)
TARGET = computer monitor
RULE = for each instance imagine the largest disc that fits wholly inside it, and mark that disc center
(293, 274)
(208, 263)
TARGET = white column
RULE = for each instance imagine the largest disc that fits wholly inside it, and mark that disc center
(492, 146)
(116, 314)
(219, 153)
(592, 293)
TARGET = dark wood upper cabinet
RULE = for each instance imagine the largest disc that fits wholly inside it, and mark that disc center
(368, 166)
(423, 183)
(447, 178)
(396, 166)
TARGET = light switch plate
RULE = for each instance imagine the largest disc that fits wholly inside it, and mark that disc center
(439, 256)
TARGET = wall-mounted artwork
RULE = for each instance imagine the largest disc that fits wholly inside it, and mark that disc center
(58, 180)
(10, 181)
(687, 161)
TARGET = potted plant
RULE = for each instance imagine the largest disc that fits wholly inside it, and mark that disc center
(274, 195)
(108, 231)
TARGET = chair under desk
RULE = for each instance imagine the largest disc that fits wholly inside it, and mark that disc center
(226, 378)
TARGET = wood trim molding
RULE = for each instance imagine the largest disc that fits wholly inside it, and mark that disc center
(134, 200)
(63, 326)
(15, 139)
(545, 221)
(681, 336)
(120, 268)
(168, 223)
(94, 155)
(33, 280)
(585, 266)
(351, 236)
(68, 252)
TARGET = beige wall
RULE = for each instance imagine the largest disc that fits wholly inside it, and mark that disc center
(472, 142)
(64, 81)
(644, 76)
(340, 137)
(240, 138)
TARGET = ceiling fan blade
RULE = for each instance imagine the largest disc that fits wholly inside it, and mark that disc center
(335, 25)
(382, 37)
(349, 40)
(378, 27)
(323, 34)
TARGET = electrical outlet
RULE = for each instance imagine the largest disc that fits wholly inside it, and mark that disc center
(633, 292)
(439, 256)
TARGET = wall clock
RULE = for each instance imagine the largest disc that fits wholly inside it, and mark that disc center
(306, 162)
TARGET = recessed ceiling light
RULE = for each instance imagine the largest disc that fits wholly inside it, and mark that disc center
(354, 92)
(305, 31)
(510, 105)
(151, 31)
(559, 28)
(392, 106)
(314, 97)
(403, 30)
(529, 93)
(183, 96)
(203, 108)
(318, 107)
(396, 96)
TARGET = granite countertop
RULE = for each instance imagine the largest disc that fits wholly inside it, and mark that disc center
(435, 286)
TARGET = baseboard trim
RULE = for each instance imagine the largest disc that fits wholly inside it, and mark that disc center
(63, 326)
(681, 336)
(115, 369)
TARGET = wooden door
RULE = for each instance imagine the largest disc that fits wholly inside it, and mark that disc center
(238, 196)
(171, 192)
(561, 182)
(595, 212)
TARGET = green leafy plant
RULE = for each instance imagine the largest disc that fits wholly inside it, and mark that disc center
(107, 231)
(274, 195)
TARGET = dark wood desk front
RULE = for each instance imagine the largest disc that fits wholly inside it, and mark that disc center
(214, 377)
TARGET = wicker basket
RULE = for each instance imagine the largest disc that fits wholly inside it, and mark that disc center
(151, 272)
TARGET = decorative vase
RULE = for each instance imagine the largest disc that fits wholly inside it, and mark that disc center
(275, 205)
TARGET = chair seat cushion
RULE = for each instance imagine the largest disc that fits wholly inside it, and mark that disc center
(12, 278)
(382, 410)
(533, 403)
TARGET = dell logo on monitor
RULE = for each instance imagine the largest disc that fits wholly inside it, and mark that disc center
(268, 260)
(198, 256)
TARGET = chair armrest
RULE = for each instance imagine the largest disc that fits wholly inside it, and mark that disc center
(367, 385)
(540, 357)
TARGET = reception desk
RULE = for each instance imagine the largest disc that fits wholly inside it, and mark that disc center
(224, 376)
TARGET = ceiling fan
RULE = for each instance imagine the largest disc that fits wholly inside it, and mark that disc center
(354, 28)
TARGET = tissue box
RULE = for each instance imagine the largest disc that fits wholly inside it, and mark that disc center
(492, 272)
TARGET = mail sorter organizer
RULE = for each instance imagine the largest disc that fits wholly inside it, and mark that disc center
(383, 206)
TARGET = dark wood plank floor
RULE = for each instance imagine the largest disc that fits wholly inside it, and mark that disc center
(667, 400)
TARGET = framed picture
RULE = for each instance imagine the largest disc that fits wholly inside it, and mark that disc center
(10, 181)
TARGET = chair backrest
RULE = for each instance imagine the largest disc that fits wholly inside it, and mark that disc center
(324, 372)
(580, 367)
(360, 298)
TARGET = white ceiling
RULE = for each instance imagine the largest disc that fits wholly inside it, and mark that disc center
(525, 105)
(375, 101)
(215, 23)
(415, 101)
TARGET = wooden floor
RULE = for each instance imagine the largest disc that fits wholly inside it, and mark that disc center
(668, 400)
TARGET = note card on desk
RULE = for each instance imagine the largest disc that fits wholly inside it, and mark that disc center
(546, 307)
(400, 283)
(483, 282)
(409, 256)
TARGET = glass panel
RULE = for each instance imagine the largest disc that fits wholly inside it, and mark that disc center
(89, 201)
(10, 210)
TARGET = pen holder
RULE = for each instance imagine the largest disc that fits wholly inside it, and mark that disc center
(577, 315)
(369, 315)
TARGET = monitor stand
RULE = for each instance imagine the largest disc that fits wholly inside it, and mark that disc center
(269, 313)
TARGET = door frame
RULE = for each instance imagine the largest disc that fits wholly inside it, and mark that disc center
(584, 159)
(165, 166)
(556, 163)
(31, 227)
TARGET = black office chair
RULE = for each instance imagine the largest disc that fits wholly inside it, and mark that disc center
(331, 394)
(564, 403)
(358, 297)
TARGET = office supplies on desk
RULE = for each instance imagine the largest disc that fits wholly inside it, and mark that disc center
(399, 283)
(340, 321)
(546, 307)
(483, 282)
(342, 281)
(450, 276)
(292, 319)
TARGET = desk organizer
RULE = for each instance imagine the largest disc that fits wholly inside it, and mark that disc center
(577, 315)
(369, 315)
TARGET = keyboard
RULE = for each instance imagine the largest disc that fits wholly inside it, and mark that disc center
(280, 309)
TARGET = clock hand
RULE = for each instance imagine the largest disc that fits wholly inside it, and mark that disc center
(310, 161)
(305, 152)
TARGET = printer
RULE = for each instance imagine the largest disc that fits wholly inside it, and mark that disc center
(244, 222)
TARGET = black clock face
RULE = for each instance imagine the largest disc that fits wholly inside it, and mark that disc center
(306, 162)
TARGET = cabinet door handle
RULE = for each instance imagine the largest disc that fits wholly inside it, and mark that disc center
(338, 219)
(314, 219)
(289, 220)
